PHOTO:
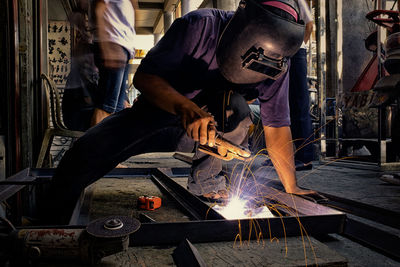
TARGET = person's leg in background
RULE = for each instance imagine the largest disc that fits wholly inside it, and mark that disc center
(122, 98)
(299, 111)
(113, 74)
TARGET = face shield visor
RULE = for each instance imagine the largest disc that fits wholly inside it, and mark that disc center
(256, 43)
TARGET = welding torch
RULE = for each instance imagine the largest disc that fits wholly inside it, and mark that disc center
(227, 150)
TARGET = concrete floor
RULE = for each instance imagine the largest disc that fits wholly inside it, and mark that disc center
(353, 182)
(359, 183)
(356, 182)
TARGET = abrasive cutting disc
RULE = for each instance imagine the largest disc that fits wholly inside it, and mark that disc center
(113, 226)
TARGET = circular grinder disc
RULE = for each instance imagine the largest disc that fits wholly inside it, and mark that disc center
(113, 226)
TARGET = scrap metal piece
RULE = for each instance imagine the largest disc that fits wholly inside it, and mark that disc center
(187, 255)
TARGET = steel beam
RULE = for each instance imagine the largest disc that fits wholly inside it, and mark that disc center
(154, 234)
(380, 215)
(192, 204)
(115, 173)
(305, 217)
(41, 176)
(187, 255)
(377, 239)
(335, 203)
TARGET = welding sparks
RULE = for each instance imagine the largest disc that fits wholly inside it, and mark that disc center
(237, 209)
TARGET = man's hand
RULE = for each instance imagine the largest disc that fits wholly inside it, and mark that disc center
(298, 191)
(280, 149)
(199, 124)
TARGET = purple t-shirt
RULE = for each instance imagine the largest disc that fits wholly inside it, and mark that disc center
(185, 57)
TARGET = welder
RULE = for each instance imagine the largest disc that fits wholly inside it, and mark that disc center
(196, 83)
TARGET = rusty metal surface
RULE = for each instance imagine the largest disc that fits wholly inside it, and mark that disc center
(51, 243)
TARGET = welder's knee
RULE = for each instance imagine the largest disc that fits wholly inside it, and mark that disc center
(237, 110)
(229, 109)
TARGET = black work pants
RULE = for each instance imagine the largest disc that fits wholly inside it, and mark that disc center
(143, 128)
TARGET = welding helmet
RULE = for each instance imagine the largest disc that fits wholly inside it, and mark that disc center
(257, 42)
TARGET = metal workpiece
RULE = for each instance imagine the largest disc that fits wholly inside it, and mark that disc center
(380, 240)
(377, 214)
(154, 234)
(196, 208)
(294, 216)
(187, 255)
(358, 230)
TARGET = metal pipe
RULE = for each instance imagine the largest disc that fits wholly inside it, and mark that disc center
(321, 66)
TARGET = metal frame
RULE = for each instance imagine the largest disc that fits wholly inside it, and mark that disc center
(380, 215)
(187, 255)
(300, 217)
(189, 202)
(373, 236)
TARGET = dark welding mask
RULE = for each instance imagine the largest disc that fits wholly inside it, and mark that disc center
(257, 42)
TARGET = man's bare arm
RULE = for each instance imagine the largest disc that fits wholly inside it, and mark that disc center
(308, 31)
(280, 149)
(195, 120)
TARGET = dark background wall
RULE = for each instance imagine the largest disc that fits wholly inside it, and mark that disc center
(358, 121)
(356, 28)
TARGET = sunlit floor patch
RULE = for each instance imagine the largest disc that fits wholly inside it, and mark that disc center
(236, 209)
